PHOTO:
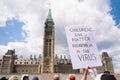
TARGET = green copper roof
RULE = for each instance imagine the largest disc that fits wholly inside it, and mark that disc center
(49, 18)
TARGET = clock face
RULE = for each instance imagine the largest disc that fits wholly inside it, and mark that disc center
(49, 25)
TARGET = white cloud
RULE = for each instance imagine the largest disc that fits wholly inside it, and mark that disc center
(5, 14)
(65, 12)
(117, 70)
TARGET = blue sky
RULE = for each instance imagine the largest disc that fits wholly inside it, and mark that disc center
(24, 33)
(115, 4)
(11, 32)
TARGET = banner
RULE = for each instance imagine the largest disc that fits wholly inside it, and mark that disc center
(82, 47)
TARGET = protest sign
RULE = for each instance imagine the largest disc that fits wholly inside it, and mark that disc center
(93, 72)
(82, 47)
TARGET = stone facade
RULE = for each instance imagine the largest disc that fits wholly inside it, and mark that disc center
(30, 65)
(7, 62)
(11, 64)
(107, 63)
(47, 65)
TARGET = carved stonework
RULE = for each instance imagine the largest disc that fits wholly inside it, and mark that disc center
(47, 65)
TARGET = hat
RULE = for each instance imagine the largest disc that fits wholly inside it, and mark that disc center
(56, 77)
(24, 76)
(14, 77)
(108, 77)
(72, 76)
(106, 72)
(105, 76)
(3, 78)
(35, 78)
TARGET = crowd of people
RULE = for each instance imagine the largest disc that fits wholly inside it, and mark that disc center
(105, 76)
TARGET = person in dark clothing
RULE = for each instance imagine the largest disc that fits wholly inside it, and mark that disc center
(35, 78)
(105, 76)
(3, 78)
(108, 77)
(25, 78)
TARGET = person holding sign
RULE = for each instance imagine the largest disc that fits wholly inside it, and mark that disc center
(105, 76)
(84, 77)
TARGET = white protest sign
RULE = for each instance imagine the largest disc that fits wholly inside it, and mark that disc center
(82, 47)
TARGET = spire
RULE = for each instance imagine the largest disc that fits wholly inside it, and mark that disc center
(49, 17)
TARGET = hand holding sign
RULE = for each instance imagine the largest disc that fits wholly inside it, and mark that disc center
(83, 50)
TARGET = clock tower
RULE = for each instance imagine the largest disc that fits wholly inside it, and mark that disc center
(48, 46)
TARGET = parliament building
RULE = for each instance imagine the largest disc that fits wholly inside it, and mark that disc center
(48, 62)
